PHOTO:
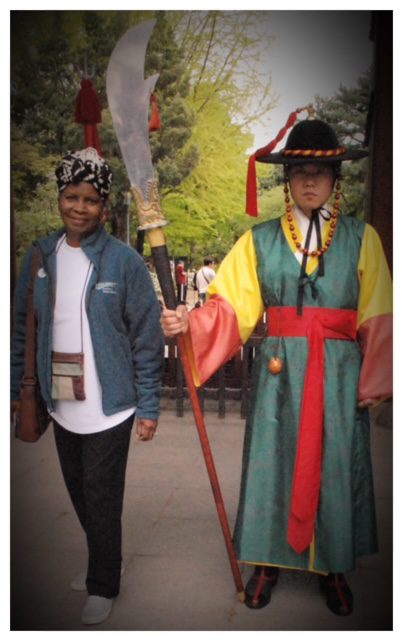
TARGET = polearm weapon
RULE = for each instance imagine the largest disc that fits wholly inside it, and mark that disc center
(129, 97)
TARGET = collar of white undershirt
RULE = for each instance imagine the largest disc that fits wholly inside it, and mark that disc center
(303, 221)
(67, 248)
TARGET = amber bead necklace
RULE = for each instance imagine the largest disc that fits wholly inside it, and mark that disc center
(332, 224)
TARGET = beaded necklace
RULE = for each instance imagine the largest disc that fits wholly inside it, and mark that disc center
(334, 215)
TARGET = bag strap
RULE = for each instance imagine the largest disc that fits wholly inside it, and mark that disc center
(205, 277)
(30, 338)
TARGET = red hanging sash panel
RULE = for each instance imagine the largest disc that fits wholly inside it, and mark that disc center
(317, 324)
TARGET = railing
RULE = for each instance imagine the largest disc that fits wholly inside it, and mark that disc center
(231, 383)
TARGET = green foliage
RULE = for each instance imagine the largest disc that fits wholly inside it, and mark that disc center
(51, 51)
(271, 177)
(220, 51)
(209, 92)
(206, 204)
(34, 197)
(347, 112)
(37, 218)
(44, 79)
(173, 159)
(271, 203)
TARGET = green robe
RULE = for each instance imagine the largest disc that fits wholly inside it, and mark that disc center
(345, 524)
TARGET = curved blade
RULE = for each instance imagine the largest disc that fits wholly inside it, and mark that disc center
(129, 97)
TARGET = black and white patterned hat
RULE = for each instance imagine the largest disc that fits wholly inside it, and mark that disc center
(85, 166)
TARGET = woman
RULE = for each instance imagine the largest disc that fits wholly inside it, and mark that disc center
(306, 497)
(100, 360)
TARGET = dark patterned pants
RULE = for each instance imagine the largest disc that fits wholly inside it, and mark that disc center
(94, 469)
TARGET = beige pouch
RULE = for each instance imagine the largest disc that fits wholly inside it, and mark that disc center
(67, 376)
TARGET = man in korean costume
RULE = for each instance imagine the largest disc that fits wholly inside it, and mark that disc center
(306, 499)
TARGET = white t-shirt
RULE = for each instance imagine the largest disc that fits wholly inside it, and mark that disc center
(73, 274)
(204, 276)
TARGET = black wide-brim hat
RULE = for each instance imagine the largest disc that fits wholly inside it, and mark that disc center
(312, 141)
(309, 142)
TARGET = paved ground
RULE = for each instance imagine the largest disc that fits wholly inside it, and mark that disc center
(177, 573)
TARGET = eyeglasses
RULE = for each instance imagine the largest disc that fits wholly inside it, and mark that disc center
(300, 173)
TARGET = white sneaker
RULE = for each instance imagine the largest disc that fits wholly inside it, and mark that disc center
(97, 609)
(79, 583)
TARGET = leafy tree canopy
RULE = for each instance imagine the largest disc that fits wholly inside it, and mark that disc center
(209, 93)
(347, 112)
(51, 52)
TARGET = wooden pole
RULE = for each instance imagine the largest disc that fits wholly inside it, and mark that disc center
(160, 256)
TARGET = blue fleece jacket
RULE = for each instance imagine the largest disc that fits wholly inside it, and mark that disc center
(123, 314)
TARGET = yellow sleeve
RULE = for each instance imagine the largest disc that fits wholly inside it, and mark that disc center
(237, 282)
(375, 278)
(234, 307)
(374, 322)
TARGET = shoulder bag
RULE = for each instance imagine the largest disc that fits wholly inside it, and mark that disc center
(32, 419)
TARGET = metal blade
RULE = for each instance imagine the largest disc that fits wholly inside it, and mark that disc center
(129, 98)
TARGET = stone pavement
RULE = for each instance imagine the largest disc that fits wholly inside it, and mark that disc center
(177, 572)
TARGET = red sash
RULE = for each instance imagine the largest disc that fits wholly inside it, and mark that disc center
(316, 324)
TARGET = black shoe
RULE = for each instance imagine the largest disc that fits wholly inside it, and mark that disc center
(258, 588)
(338, 594)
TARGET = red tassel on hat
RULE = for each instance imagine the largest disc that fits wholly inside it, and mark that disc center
(155, 121)
(251, 188)
(251, 193)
